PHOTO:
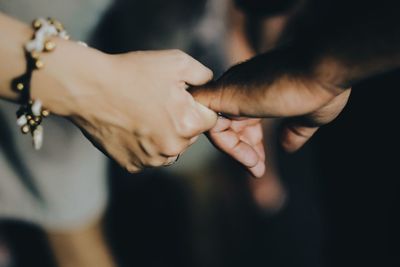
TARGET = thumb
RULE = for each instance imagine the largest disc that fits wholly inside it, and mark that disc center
(207, 117)
(229, 100)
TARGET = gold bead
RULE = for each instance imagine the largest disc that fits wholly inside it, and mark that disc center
(35, 55)
(32, 122)
(39, 64)
(45, 113)
(37, 119)
(25, 129)
(20, 86)
(36, 24)
(58, 26)
(49, 46)
(28, 117)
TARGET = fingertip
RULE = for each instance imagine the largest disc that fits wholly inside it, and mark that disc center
(258, 170)
(208, 74)
(289, 145)
(209, 117)
(247, 155)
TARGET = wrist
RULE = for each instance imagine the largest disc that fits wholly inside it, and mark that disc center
(70, 74)
(12, 54)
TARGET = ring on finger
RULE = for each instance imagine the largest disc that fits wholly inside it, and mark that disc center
(172, 160)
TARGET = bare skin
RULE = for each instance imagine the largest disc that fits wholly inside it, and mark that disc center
(308, 80)
(134, 106)
(71, 247)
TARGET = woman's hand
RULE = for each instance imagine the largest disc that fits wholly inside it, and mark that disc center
(134, 107)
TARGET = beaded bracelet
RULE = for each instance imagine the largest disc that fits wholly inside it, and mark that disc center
(30, 115)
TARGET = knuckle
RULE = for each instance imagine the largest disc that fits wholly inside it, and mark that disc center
(155, 162)
(171, 148)
(181, 59)
(177, 54)
(187, 128)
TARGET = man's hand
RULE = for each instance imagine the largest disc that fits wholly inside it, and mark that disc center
(306, 100)
(243, 140)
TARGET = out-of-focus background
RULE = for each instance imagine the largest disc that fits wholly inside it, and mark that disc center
(333, 203)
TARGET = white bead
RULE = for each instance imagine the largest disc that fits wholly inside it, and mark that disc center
(39, 45)
(30, 46)
(82, 43)
(48, 30)
(45, 31)
(37, 137)
(63, 34)
(37, 107)
(53, 30)
(39, 40)
(22, 120)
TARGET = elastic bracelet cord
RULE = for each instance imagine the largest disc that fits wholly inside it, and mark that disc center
(30, 114)
(22, 83)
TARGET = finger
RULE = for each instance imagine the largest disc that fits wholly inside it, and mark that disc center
(194, 120)
(155, 161)
(258, 170)
(230, 143)
(329, 111)
(171, 160)
(218, 98)
(221, 125)
(252, 134)
(300, 129)
(208, 118)
(294, 136)
(243, 123)
(196, 73)
(193, 140)
(171, 146)
(259, 148)
(132, 169)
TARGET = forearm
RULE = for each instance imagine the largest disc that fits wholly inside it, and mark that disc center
(354, 39)
(338, 44)
(13, 35)
(112, 97)
(67, 70)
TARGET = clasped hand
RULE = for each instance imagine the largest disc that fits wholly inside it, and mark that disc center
(135, 107)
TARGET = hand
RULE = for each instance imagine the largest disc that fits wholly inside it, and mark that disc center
(308, 100)
(134, 107)
(242, 139)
